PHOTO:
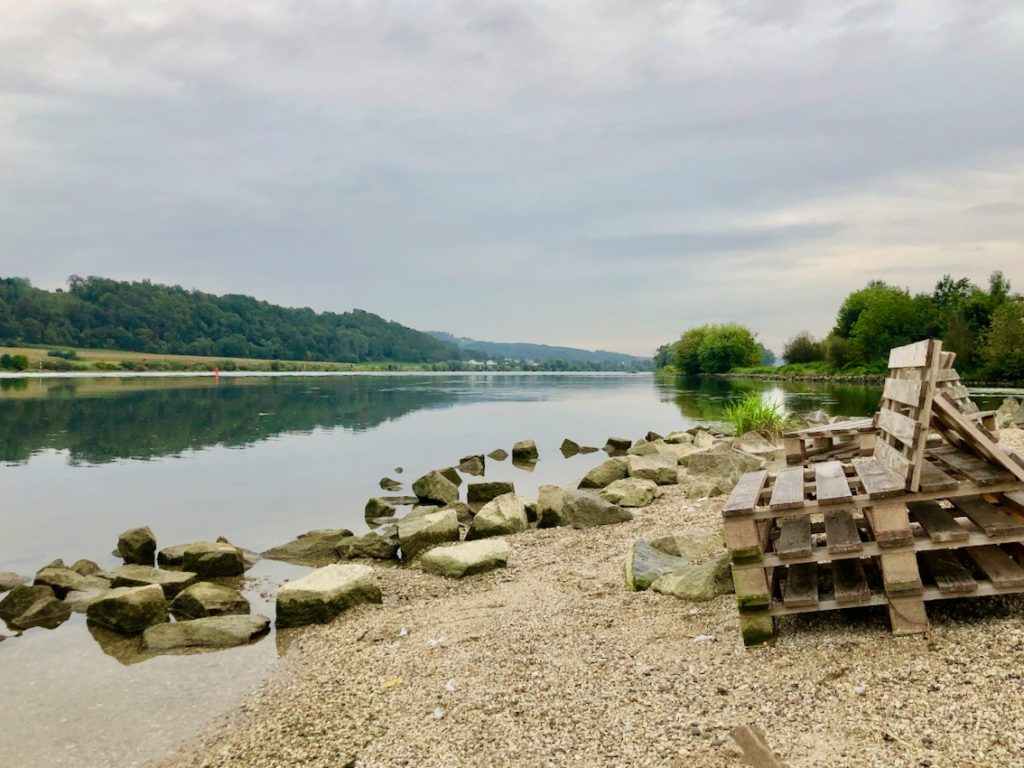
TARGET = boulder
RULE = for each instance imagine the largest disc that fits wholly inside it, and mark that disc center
(757, 445)
(694, 544)
(326, 592)
(208, 632)
(630, 492)
(25, 607)
(79, 601)
(498, 454)
(463, 511)
(377, 507)
(481, 493)
(86, 568)
(604, 473)
(663, 470)
(137, 546)
(674, 451)
(702, 439)
(525, 450)
(207, 599)
(816, 418)
(569, 448)
(171, 582)
(679, 438)
(645, 565)
(617, 446)
(63, 580)
(714, 472)
(588, 449)
(171, 555)
(466, 559)
(698, 582)
(501, 516)
(374, 545)
(453, 475)
(549, 506)
(531, 508)
(9, 581)
(420, 511)
(213, 558)
(472, 465)
(388, 484)
(129, 610)
(435, 488)
(585, 510)
(421, 533)
(1008, 413)
(313, 548)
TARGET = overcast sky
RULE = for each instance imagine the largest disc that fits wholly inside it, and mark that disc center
(599, 174)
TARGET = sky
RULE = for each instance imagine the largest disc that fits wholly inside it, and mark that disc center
(601, 174)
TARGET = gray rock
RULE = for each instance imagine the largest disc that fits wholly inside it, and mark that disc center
(698, 582)
(585, 510)
(25, 607)
(63, 580)
(663, 470)
(531, 508)
(679, 438)
(79, 601)
(171, 555)
(420, 511)
(463, 511)
(481, 493)
(526, 465)
(171, 582)
(414, 536)
(207, 599)
(588, 449)
(371, 545)
(630, 492)
(313, 548)
(435, 488)
(86, 568)
(388, 484)
(208, 632)
(757, 445)
(129, 610)
(326, 592)
(703, 439)
(617, 446)
(9, 581)
(604, 473)
(714, 472)
(137, 546)
(652, 436)
(499, 517)
(377, 507)
(472, 465)
(569, 448)
(550, 499)
(213, 558)
(645, 565)
(1007, 413)
(466, 559)
(525, 450)
(694, 544)
(498, 454)
(816, 418)
(453, 475)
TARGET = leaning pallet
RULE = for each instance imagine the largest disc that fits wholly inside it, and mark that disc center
(937, 511)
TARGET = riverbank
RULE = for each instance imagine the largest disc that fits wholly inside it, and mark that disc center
(552, 662)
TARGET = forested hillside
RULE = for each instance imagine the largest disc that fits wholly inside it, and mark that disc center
(544, 353)
(140, 316)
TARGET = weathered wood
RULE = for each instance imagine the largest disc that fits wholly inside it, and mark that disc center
(742, 539)
(841, 534)
(899, 426)
(746, 494)
(976, 470)
(850, 584)
(890, 525)
(756, 627)
(1016, 499)
(957, 391)
(794, 538)
(837, 429)
(988, 517)
(937, 522)
(893, 460)
(949, 419)
(903, 391)
(801, 585)
(948, 572)
(788, 491)
(752, 592)
(1001, 569)
(756, 752)
(878, 480)
(916, 355)
(900, 575)
(831, 484)
(934, 479)
(907, 616)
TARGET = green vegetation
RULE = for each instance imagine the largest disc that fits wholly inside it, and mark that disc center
(753, 413)
(715, 349)
(803, 348)
(13, 362)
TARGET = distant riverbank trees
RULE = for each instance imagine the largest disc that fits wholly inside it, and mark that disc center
(712, 349)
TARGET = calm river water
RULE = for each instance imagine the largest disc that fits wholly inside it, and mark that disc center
(259, 459)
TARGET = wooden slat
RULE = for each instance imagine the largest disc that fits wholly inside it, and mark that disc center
(903, 391)
(743, 539)
(957, 391)
(947, 375)
(949, 418)
(988, 517)
(934, 479)
(850, 585)
(978, 470)
(890, 525)
(801, 585)
(946, 360)
(912, 608)
(916, 453)
(878, 480)
(1001, 569)
(900, 574)
(839, 428)
(794, 538)
(915, 355)
(899, 426)
(830, 483)
(788, 491)
(841, 533)
(907, 616)
(1016, 499)
(892, 459)
(745, 494)
(948, 572)
(937, 522)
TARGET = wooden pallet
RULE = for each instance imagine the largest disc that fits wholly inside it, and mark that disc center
(841, 440)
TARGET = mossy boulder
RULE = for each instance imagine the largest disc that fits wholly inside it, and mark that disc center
(313, 548)
(129, 610)
(499, 517)
(631, 492)
(208, 599)
(63, 580)
(26, 606)
(645, 565)
(466, 559)
(550, 503)
(171, 582)
(418, 534)
(326, 592)
(698, 582)
(586, 510)
(604, 474)
(374, 545)
(137, 546)
(525, 450)
(481, 493)
(663, 470)
(435, 488)
(213, 558)
(207, 632)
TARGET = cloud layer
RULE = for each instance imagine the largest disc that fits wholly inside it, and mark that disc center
(600, 174)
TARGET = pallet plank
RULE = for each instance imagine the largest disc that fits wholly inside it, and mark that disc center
(1001, 569)
(788, 492)
(904, 429)
(850, 584)
(949, 419)
(916, 355)
(890, 525)
(938, 523)
(831, 484)
(794, 538)
(878, 480)
(745, 494)
(841, 533)
(903, 391)
(977, 470)
(900, 574)
(801, 585)
(950, 575)
(988, 517)
(934, 479)
(893, 460)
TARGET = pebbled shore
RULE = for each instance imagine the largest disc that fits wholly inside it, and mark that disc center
(551, 662)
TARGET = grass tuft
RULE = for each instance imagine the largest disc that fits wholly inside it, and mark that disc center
(753, 414)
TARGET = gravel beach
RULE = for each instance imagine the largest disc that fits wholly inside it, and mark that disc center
(551, 662)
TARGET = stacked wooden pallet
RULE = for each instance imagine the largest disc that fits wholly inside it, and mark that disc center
(926, 517)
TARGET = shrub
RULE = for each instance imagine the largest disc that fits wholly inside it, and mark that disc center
(803, 348)
(754, 414)
(13, 362)
(63, 354)
(717, 349)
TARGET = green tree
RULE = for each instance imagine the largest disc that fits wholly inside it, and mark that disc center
(1004, 343)
(803, 348)
(877, 318)
(717, 349)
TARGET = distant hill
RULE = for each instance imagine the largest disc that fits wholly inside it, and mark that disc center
(96, 312)
(542, 353)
